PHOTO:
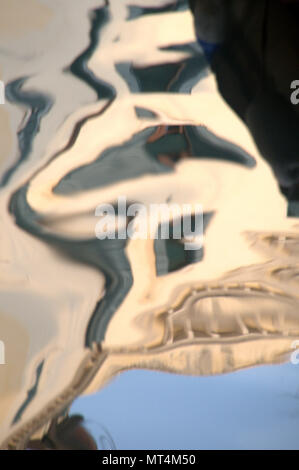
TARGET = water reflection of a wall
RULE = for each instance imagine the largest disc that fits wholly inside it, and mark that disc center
(233, 307)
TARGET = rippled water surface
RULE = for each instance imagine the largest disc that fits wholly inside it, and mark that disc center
(156, 346)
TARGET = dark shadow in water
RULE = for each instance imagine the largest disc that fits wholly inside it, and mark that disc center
(38, 105)
(171, 6)
(167, 77)
(254, 36)
(171, 254)
(30, 394)
(142, 155)
(79, 67)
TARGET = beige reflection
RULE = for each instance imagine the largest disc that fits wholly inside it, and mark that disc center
(237, 308)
